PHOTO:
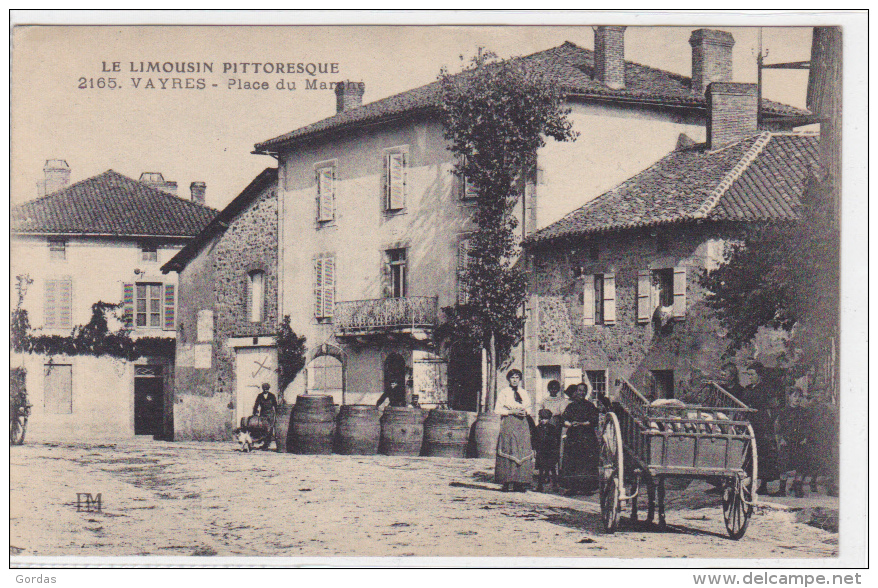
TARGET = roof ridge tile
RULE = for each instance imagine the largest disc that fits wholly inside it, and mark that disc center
(749, 157)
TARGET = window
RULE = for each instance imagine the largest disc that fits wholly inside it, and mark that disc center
(57, 249)
(397, 273)
(325, 193)
(395, 162)
(662, 384)
(594, 251)
(148, 306)
(256, 295)
(58, 304)
(468, 192)
(463, 260)
(598, 379)
(599, 299)
(661, 288)
(149, 252)
(324, 285)
(58, 388)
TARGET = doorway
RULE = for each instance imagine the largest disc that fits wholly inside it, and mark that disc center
(149, 397)
(254, 366)
(464, 378)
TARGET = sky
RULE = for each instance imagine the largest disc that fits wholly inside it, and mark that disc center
(208, 134)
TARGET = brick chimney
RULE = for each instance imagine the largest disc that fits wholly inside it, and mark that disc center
(348, 95)
(56, 175)
(197, 189)
(711, 58)
(609, 56)
(731, 113)
(157, 181)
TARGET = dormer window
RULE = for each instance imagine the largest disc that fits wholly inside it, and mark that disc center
(58, 249)
(149, 252)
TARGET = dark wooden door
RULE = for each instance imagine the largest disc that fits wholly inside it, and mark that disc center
(148, 406)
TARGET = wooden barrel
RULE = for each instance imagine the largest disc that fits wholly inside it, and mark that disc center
(446, 433)
(359, 430)
(313, 425)
(402, 431)
(486, 430)
(283, 432)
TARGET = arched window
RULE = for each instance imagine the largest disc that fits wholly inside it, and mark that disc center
(257, 296)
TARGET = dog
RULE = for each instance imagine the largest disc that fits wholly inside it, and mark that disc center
(253, 434)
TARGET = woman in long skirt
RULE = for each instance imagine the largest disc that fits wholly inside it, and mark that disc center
(514, 467)
(579, 464)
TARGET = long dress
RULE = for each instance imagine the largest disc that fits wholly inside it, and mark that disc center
(579, 464)
(515, 455)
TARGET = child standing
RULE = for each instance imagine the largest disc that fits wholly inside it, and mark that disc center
(547, 443)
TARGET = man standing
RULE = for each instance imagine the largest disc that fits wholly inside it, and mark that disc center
(266, 403)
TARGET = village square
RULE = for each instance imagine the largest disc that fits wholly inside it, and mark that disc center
(546, 306)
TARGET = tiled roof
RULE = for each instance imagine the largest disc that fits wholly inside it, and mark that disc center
(569, 66)
(759, 178)
(265, 179)
(111, 204)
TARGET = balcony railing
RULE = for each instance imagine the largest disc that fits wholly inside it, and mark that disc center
(356, 317)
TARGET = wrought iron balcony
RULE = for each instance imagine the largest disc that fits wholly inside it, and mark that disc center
(385, 315)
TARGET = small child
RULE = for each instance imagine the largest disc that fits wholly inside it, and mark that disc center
(547, 442)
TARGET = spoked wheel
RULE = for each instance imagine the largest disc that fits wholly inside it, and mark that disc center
(612, 473)
(17, 428)
(739, 495)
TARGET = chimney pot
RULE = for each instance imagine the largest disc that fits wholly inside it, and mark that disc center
(731, 113)
(609, 56)
(198, 190)
(711, 58)
(348, 95)
(56, 175)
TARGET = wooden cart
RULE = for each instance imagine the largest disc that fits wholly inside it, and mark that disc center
(642, 443)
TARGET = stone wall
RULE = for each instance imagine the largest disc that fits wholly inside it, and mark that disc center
(691, 346)
(213, 300)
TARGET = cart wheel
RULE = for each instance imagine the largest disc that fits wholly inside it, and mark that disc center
(738, 494)
(17, 427)
(612, 474)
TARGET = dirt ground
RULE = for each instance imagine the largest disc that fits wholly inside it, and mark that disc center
(209, 499)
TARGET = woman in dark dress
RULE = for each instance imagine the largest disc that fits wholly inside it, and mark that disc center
(579, 466)
(514, 466)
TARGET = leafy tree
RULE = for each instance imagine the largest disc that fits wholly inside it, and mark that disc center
(496, 115)
(290, 355)
(784, 276)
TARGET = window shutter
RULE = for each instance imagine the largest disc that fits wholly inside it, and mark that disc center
(644, 296)
(65, 303)
(318, 287)
(588, 300)
(328, 286)
(246, 311)
(50, 304)
(128, 305)
(609, 299)
(396, 181)
(680, 292)
(170, 307)
(462, 264)
(326, 194)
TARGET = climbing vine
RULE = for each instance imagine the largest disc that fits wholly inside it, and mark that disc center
(93, 338)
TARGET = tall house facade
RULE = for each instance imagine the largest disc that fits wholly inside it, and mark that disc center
(102, 239)
(373, 225)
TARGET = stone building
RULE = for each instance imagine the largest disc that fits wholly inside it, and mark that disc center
(614, 289)
(227, 317)
(373, 226)
(100, 239)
